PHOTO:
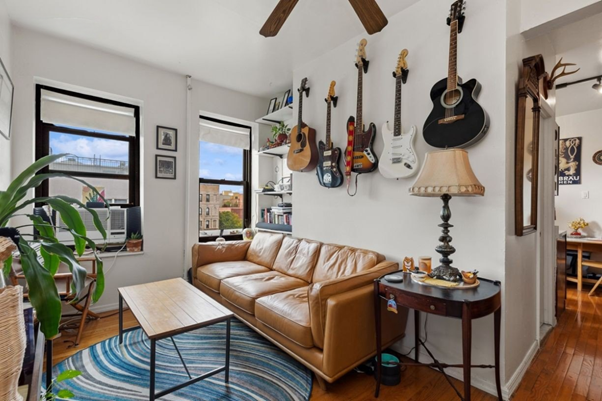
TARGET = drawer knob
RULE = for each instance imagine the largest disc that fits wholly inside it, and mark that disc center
(432, 307)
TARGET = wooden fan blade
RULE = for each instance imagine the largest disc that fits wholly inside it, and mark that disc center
(370, 15)
(277, 18)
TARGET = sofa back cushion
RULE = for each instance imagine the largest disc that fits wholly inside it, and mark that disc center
(297, 258)
(264, 248)
(337, 261)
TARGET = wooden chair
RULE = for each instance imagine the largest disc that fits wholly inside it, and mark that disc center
(596, 265)
(63, 279)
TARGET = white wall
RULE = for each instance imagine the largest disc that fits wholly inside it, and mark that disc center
(162, 95)
(569, 204)
(382, 216)
(5, 54)
(542, 15)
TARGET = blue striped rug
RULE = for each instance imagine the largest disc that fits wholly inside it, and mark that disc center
(258, 369)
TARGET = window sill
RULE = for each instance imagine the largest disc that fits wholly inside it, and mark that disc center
(108, 255)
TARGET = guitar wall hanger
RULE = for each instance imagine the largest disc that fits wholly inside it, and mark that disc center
(334, 100)
(404, 75)
(306, 90)
(365, 64)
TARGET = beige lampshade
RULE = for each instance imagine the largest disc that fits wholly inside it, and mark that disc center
(447, 172)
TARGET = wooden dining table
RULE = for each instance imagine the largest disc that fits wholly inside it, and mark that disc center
(583, 245)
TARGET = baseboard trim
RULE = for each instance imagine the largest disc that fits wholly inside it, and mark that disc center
(106, 308)
(517, 377)
(489, 387)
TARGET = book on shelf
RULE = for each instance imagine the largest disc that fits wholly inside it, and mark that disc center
(268, 215)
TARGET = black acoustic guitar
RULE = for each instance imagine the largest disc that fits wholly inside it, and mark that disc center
(457, 120)
(328, 171)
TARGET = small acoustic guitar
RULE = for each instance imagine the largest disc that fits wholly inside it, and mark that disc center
(457, 120)
(303, 153)
(328, 172)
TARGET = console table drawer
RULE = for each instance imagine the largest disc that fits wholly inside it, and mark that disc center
(435, 306)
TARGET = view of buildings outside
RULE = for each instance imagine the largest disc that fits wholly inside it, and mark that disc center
(219, 211)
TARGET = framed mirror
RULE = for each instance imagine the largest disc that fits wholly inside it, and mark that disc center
(527, 146)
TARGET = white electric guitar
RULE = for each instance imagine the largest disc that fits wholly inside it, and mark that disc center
(399, 159)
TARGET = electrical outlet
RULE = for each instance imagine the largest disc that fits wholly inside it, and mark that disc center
(584, 194)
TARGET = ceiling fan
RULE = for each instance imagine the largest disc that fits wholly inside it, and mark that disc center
(367, 11)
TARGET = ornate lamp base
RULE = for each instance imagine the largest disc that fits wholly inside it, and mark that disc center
(446, 271)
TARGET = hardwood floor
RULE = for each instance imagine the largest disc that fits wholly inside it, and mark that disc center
(569, 363)
(568, 366)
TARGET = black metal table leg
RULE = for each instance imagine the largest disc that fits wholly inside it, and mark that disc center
(377, 320)
(152, 370)
(227, 351)
(48, 364)
(497, 319)
(416, 334)
(120, 319)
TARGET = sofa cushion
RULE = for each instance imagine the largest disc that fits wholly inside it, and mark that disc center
(242, 291)
(288, 314)
(338, 261)
(264, 248)
(297, 258)
(212, 274)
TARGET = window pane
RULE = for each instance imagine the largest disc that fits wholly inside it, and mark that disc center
(220, 162)
(114, 191)
(90, 155)
(223, 211)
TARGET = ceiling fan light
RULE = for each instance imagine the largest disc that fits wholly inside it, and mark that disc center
(598, 85)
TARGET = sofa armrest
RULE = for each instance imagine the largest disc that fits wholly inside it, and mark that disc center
(213, 252)
(350, 335)
(320, 292)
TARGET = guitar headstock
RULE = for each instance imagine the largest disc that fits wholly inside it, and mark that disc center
(456, 14)
(330, 97)
(360, 58)
(402, 64)
(303, 87)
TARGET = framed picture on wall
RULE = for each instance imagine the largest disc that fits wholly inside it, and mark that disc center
(6, 101)
(167, 138)
(285, 101)
(165, 167)
(570, 161)
(272, 105)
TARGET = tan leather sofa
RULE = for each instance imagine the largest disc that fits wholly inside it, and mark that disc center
(313, 300)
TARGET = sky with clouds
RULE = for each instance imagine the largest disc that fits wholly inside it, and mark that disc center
(216, 161)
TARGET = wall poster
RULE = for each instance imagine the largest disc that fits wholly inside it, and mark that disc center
(570, 161)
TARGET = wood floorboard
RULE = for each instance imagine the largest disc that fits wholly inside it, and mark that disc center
(567, 367)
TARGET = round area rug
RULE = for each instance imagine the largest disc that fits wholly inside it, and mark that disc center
(258, 369)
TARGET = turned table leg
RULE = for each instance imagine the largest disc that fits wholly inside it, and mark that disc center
(466, 347)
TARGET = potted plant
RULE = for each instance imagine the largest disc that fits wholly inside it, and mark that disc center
(280, 133)
(134, 243)
(41, 255)
(577, 225)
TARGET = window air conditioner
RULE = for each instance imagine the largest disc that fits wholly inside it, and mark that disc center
(115, 226)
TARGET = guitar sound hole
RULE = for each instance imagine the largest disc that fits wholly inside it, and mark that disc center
(299, 137)
(452, 97)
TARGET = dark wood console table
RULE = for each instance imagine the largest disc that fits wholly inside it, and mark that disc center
(462, 304)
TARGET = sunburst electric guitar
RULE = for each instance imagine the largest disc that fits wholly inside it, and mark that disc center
(398, 159)
(359, 155)
(303, 153)
(457, 120)
(328, 172)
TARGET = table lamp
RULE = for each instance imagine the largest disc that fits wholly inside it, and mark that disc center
(446, 173)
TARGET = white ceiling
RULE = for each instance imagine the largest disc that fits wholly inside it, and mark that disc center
(580, 43)
(216, 41)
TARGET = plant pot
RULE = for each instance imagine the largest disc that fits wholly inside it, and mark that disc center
(134, 245)
(282, 138)
(12, 341)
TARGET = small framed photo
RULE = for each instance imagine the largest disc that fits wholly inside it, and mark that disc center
(272, 106)
(167, 138)
(165, 167)
(277, 106)
(285, 101)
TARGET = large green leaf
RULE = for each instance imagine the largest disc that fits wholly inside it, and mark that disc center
(95, 218)
(8, 266)
(67, 375)
(66, 256)
(6, 197)
(43, 294)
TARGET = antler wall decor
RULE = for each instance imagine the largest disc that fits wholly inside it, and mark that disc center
(549, 79)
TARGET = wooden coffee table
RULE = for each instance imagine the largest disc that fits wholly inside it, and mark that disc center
(168, 308)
